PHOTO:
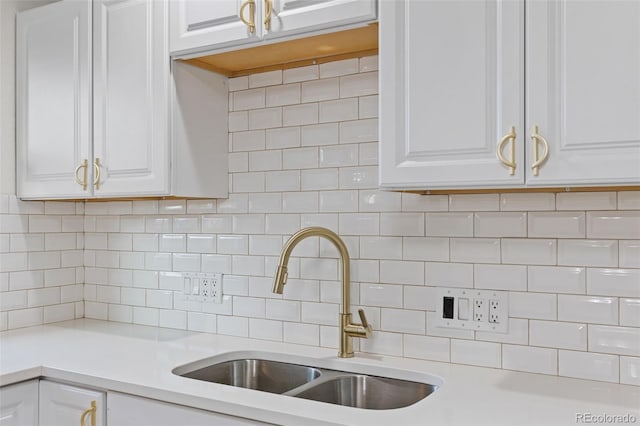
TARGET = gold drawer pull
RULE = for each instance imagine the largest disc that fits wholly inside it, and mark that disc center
(537, 160)
(268, 10)
(251, 23)
(82, 182)
(509, 137)
(88, 411)
(96, 166)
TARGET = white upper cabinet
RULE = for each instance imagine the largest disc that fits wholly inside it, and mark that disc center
(197, 23)
(131, 94)
(583, 91)
(298, 16)
(456, 77)
(201, 25)
(103, 113)
(451, 86)
(53, 122)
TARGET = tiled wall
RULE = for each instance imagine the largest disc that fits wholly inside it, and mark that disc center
(41, 262)
(304, 152)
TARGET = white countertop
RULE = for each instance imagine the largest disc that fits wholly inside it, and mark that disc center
(138, 360)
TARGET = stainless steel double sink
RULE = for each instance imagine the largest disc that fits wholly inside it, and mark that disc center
(351, 389)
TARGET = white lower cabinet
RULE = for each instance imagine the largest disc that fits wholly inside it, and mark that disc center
(61, 404)
(19, 404)
(127, 410)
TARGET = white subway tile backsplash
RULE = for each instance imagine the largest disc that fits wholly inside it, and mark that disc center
(630, 370)
(368, 106)
(530, 359)
(449, 224)
(238, 83)
(500, 224)
(426, 347)
(359, 85)
(556, 279)
(629, 200)
(286, 137)
(319, 134)
(402, 224)
(43, 297)
(425, 248)
(426, 203)
(300, 74)
(379, 201)
(381, 248)
(385, 344)
(471, 352)
(500, 277)
(320, 90)
(562, 335)
(449, 274)
(338, 68)
(275, 182)
(474, 202)
(383, 295)
(401, 272)
(534, 306)
(423, 298)
(614, 340)
(629, 253)
(319, 179)
(338, 156)
(338, 110)
(590, 309)
(630, 312)
(588, 252)
(586, 201)
(403, 321)
(556, 224)
(249, 99)
(590, 366)
(613, 282)
(298, 115)
(613, 224)
(527, 202)
(359, 131)
(529, 251)
(518, 333)
(475, 250)
(233, 326)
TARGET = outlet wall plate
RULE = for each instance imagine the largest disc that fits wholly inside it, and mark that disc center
(477, 310)
(203, 287)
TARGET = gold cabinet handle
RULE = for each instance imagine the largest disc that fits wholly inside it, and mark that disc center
(82, 182)
(92, 411)
(509, 137)
(268, 9)
(537, 159)
(251, 23)
(96, 166)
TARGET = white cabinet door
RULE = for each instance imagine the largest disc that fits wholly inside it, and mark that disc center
(131, 90)
(127, 410)
(64, 404)
(297, 16)
(583, 91)
(53, 100)
(200, 23)
(451, 86)
(19, 404)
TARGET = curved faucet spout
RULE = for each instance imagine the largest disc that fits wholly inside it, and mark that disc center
(348, 329)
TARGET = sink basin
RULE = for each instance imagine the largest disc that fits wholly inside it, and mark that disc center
(371, 392)
(322, 380)
(258, 374)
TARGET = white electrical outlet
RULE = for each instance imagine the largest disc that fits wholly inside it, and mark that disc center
(203, 287)
(470, 309)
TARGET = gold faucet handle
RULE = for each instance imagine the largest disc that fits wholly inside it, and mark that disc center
(363, 319)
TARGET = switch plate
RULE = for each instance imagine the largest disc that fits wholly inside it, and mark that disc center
(478, 310)
(203, 287)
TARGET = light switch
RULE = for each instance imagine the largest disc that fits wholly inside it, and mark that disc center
(187, 286)
(195, 286)
(463, 308)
